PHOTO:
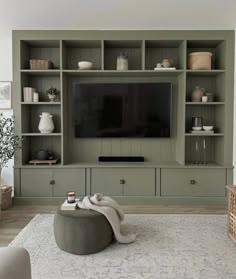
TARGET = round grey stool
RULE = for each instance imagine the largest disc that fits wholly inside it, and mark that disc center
(81, 232)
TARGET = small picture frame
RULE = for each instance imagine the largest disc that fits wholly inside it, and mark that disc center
(5, 95)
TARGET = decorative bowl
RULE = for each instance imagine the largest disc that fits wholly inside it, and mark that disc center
(85, 65)
(207, 128)
(196, 128)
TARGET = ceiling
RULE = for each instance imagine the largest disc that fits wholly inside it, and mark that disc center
(117, 14)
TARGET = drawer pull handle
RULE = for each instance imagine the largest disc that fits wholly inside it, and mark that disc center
(52, 182)
(192, 181)
(122, 181)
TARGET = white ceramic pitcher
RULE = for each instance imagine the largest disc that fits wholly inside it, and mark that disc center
(46, 125)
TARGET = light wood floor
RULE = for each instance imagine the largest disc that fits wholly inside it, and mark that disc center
(12, 221)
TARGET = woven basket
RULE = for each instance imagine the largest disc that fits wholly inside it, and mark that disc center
(199, 61)
(6, 197)
(232, 212)
(37, 64)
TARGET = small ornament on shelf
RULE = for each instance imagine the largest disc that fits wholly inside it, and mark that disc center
(122, 62)
(52, 93)
(46, 125)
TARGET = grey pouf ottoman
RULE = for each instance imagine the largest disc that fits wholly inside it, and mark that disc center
(81, 231)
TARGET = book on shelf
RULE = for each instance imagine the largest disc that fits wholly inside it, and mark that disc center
(28, 94)
(202, 132)
(70, 206)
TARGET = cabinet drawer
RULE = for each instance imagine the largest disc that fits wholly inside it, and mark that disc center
(193, 182)
(68, 180)
(123, 181)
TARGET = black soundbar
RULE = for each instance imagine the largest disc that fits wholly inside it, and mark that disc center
(121, 159)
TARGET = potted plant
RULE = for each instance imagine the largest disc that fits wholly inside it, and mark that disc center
(9, 142)
(52, 93)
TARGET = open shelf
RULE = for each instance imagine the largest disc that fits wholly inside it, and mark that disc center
(113, 48)
(211, 116)
(74, 51)
(31, 145)
(129, 73)
(40, 49)
(41, 72)
(216, 47)
(41, 134)
(30, 118)
(41, 82)
(157, 50)
(204, 135)
(204, 103)
(41, 103)
(211, 83)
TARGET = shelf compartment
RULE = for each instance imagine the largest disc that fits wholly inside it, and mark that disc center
(156, 51)
(211, 115)
(214, 150)
(41, 83)
(211, 83)
(30, 118)
(74, 51)
(216, 47)
(32, 145)
(113, 48)
(43, 49)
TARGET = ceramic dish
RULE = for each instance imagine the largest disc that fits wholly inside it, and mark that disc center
(196, 128)
(207, 128)
(85, 65)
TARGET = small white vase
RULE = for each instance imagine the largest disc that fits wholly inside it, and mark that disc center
(46, 125)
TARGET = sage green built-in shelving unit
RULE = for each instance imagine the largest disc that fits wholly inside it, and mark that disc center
(145, 49)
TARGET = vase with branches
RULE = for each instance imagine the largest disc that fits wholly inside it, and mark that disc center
(9, 142)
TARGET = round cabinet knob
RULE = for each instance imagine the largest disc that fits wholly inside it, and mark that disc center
(122, 181)
(52, 182)
(192, 181)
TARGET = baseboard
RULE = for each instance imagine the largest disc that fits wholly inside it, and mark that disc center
(162, 201)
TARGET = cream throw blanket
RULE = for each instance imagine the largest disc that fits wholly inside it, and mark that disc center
(111, 210)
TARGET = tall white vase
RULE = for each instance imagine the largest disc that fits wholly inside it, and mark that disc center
(46, 125)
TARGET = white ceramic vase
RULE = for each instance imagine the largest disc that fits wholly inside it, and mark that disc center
(46, 125)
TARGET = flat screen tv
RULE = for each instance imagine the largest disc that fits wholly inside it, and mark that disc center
(140, 110)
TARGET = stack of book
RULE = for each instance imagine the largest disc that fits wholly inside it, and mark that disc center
(28, 94)
(70, 206)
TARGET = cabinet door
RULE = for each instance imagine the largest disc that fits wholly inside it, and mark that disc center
(139, 182)
(193, 182)
(107, 181)
(68, 180)
(36, 183)
(123, 181)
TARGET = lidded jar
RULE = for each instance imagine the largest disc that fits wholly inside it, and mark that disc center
(122, 62)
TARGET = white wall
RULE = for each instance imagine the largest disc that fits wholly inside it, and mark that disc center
(108, 14)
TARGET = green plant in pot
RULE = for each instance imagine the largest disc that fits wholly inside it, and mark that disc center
(9, 142)
(52, 93)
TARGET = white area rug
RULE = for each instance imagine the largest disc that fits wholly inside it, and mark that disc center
(167, 247)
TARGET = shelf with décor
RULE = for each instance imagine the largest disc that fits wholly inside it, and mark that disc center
(47, 50)
(156, 51)
(217, 49)
(74, 51)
